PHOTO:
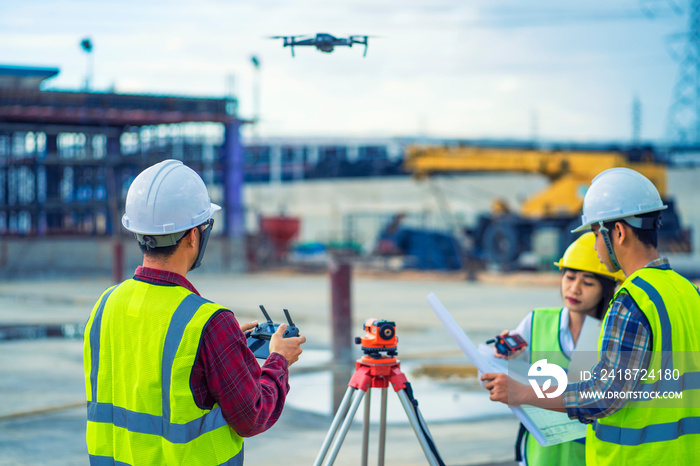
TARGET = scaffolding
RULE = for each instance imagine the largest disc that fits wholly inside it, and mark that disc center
(67, 158)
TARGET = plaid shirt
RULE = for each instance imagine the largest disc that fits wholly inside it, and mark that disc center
(226, 372)
(627, 344)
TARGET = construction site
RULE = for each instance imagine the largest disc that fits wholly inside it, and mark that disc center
(335, 229)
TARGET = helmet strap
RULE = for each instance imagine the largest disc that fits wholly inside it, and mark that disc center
(203, 240)
(159, 241)
(644, 223)
(608, 245)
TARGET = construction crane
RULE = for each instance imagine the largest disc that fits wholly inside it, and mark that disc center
(502, 236)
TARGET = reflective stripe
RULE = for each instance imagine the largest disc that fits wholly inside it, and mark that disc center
(176, 329)
(95, 342)
(144, 423)
(687, 381)
(648, 434)
(657, 300)
(109, 461)
(664, 321)
(105, 461)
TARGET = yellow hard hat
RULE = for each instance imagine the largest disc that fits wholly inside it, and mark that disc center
(581, 255)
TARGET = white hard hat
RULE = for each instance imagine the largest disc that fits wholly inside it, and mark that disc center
(166, 198)
(619, 193)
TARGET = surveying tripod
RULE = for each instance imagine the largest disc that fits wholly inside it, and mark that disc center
(376, 372)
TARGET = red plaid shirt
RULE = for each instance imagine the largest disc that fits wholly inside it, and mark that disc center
(227, 373)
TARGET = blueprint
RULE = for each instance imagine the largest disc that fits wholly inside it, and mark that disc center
(547, 427)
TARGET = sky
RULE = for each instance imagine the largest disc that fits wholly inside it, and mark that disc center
(544, 69)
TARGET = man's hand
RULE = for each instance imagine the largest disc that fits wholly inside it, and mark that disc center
(500, 386)
(249, 326)
(290, 348)
(508, 391)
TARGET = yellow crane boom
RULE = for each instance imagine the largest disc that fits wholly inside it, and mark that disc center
(570, 172)
(502, 236)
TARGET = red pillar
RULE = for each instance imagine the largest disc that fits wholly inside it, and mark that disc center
(117, 261)
(341, 324)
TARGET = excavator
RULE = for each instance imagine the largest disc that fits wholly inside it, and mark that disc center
(502, 236)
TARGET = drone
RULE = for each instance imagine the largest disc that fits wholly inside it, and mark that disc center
(323, 42)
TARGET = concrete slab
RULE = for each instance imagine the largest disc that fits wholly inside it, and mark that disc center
(40, 375)
(51, 439)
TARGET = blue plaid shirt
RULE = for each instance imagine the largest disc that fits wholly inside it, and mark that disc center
(627, 344)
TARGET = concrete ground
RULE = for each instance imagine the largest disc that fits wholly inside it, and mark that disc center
(42, 414)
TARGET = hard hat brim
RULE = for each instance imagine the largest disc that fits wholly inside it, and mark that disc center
(584, 227)
(587, 225)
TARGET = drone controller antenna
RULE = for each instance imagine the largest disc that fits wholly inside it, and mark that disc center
(267, 316)
(289, 318)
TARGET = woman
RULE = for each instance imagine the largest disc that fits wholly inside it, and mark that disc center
(587, 288)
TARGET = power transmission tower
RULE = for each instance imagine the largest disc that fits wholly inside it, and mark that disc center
(684, 114)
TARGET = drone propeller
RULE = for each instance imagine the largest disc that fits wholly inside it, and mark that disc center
(289, 40)
(286, 37)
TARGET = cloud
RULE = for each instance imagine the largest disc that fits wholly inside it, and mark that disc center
(465, 68)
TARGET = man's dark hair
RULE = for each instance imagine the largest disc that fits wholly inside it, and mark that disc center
(649, 238)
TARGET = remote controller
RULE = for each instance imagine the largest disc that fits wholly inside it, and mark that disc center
(259, 337)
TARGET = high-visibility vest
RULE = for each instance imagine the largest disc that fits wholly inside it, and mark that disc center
(650, 430)
(545, 344)
(141, 342)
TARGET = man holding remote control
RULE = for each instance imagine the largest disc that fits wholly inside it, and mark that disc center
(168, 374)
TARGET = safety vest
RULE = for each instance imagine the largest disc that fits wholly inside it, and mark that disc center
(649, 429)
(545, 344)
(141, 342)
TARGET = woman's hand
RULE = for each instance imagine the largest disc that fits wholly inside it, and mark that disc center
(512, 354)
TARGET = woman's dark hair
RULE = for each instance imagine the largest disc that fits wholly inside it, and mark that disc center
(608, 285)
(608, 291)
